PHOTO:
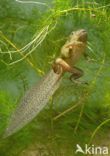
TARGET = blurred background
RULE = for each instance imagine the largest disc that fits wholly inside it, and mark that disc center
(31, 36)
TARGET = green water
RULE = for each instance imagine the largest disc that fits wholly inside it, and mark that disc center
(21, 23)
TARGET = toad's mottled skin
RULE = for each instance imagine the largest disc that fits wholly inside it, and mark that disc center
(71, 52)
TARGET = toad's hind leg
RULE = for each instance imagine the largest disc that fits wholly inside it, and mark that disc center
(61, 66)
(76, 73)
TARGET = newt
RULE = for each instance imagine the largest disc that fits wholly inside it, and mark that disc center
(38, 96)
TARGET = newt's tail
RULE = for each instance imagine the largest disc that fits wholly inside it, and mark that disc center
(33, 102)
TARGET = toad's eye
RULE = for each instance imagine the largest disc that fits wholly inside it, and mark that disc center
(72, 33)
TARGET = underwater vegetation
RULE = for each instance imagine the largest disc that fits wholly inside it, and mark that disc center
(31, 36)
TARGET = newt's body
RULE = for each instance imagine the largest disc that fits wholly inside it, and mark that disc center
(37, 97)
